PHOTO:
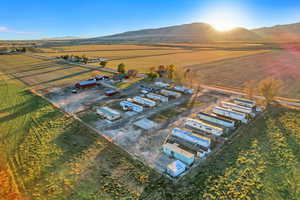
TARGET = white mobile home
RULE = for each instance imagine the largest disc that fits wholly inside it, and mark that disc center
(157, 97)
(144, 101)
(236, 107)
(201, 125)
(217, 120)
(245, 102)
(174, 151)
(161, 84)
(191, 137)
(108, 113)
(230, 113)
(184, 90)
(169, 93)
(126, 105)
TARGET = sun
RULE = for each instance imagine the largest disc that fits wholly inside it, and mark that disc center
(223, 26)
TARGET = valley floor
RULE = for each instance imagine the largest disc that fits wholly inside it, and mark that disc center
(52, 156)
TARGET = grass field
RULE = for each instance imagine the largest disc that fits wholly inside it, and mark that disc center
(52, 156)
(42, 74)
(180, 59)
(232, 73)
(95, 47)
(119, 54)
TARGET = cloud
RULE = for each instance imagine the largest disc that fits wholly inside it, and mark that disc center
(4, 29)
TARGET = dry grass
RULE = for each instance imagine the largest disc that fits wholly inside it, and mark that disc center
(233, 73)
(215, 44)
(120, 54)
(105, 47)
(180, 59)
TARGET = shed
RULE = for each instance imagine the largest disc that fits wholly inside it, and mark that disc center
(176, 168)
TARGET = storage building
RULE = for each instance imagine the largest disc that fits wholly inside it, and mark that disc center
(191, 137)
(174, 151)
(84, 84)
(126, 105)
(176, 168)
(203, 126)
(217, 120)
(108, 113)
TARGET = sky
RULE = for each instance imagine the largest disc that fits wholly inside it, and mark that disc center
(36, 19)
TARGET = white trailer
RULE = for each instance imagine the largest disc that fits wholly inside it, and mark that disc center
(108, 113)
(191, 137)
(201, 125)
(178, 153)
(161, 84)
(157, 97)
(230, 113)
(144, 101)
(126, 105)
(169, 93)
(245, 102)
(184, 90)
(236, 107)
(217, 120)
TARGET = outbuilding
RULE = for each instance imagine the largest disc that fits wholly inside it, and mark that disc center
(176, 168)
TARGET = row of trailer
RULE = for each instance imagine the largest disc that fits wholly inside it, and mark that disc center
(223, 117)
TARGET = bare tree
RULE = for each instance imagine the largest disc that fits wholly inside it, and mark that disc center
(250, 88)
(269, 89)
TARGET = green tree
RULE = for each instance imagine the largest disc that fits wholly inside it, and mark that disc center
(122, 68)
(152, 75)
(103, 63)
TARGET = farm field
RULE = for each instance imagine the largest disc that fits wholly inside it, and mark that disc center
(119, 54)
(101, 47)
(214, 44)
(180, 59)
(53, 156)
(283, 65)
(42, 74)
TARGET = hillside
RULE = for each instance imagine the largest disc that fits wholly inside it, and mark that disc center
(195, 32)
(280, 32)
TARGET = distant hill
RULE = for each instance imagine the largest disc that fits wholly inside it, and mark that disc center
(195, 32)
(65, 38)
(280, 32)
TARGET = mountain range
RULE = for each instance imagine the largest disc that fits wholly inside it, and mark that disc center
(196, 32)
(202, 32)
